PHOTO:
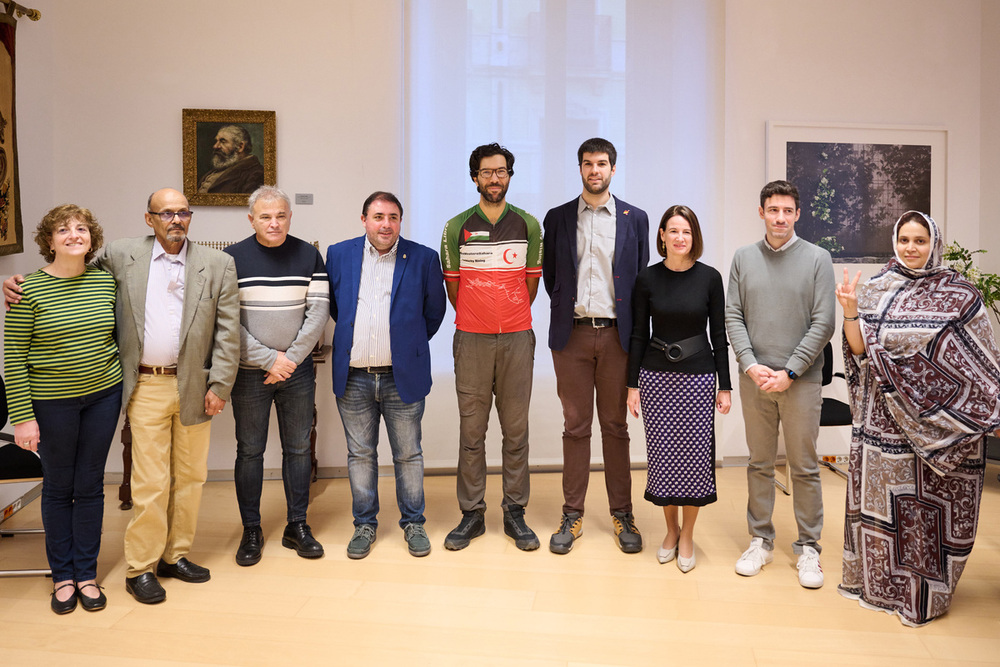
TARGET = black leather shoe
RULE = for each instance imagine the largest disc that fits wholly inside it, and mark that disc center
(184, 570)
(145, 588)
(298, 536)
(250, 546)
(89, 603)
(64, 607)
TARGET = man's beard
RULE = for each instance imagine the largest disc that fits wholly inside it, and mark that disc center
(220, 160)
(493, 199)
(598, 190)
(176, 233)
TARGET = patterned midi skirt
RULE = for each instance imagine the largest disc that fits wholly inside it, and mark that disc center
(680, 437)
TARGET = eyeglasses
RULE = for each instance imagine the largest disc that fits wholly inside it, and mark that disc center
(488, 173)
(167, 216)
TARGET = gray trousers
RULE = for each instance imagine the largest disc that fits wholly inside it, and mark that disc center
(488, 365)
(797, 409)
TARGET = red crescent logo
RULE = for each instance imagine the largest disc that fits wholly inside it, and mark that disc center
(505, 255)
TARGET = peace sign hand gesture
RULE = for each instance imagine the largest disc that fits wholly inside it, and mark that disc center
(847, 294)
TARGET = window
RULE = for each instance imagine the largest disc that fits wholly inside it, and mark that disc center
(540, 77)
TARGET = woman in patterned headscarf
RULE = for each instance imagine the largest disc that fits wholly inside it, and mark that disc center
(922, 365)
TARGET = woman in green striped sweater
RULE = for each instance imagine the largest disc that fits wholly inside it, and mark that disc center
(64, 393)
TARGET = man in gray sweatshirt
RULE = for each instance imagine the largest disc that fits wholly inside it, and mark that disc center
(779, 316)
(284, 306)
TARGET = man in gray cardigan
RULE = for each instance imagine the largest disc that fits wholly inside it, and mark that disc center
(779, 316)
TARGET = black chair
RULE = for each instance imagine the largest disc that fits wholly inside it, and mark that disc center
(18, 466)
(834, 412)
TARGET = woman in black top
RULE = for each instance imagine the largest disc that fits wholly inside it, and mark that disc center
(672, 377)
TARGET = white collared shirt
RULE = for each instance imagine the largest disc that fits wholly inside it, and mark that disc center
(370, 346)
(595, 253)
(784, 246)
(164, 307)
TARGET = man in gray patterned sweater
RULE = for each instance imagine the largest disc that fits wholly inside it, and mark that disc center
(284, 305)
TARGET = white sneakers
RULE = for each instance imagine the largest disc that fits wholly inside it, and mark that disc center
(754, 558)
(810, 570)
(757, 556)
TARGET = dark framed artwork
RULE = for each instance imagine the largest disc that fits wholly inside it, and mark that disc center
(855, 181)
(11, 232)
(227, 155)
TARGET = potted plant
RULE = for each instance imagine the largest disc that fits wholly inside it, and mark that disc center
(988, 284)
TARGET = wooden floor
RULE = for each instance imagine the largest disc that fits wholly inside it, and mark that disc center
(492, 604)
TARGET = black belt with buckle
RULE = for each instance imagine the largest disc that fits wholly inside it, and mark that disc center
(596, 322)
(157, 370)
(682, 349)
(373, 370)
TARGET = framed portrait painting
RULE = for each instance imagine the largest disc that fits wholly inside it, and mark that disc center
(227, 155)
(855, 181)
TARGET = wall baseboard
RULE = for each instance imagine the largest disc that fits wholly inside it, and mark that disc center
(340, 472)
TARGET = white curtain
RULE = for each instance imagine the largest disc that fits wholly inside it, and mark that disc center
(540, 77)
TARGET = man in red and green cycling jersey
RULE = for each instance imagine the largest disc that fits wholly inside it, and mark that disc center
(492, 260)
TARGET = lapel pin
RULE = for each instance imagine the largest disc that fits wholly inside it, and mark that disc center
(625, 212)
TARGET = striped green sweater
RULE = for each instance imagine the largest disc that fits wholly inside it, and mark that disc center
(59, 340)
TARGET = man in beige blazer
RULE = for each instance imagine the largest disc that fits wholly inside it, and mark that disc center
(178, 335)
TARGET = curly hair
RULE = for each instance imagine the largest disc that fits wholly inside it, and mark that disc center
(59, 215)
(489, 150)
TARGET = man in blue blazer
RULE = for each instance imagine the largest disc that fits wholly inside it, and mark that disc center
(387, 297)
(595, 246)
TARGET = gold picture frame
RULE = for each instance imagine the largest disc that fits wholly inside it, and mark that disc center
(11, 231)
(227, 185)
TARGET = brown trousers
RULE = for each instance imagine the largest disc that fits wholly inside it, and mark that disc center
(488, 365)
(594, 359)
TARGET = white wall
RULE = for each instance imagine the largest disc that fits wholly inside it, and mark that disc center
(101, 86)
(989, 177)
(879, 62)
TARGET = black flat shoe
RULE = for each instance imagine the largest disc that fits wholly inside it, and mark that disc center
(184, 570)
(64, 607)
(89, 603)
(145, 588)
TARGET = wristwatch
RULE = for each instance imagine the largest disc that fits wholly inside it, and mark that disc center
(791, 374)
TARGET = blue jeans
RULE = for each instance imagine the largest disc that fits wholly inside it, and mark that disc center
(366, 398)
(294, 400)
(74, 438)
